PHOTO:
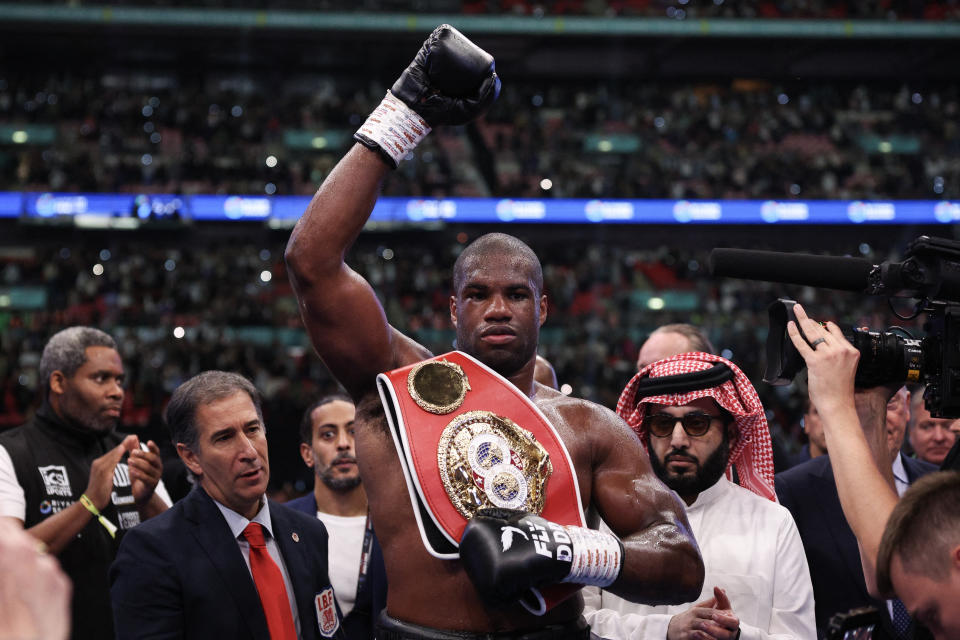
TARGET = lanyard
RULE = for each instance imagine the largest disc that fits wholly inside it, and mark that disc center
(365, 556)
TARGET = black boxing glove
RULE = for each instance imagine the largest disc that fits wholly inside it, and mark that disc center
(506, 553)
(450, 81)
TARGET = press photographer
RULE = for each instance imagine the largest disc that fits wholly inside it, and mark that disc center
(919, 557)
(852, 374)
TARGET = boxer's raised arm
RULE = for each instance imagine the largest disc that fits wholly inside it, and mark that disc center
(450, 81)
(347, 325)
(662, 563)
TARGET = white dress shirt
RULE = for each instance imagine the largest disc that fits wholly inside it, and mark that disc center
(237, 524)
(900, 478)
(751, 549)
(902, 483)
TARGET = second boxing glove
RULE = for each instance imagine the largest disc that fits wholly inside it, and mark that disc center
(506, 552)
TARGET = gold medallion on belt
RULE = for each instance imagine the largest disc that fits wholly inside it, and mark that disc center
(438, 386)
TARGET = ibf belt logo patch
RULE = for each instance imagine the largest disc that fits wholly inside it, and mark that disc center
(326, 605)
(487, 460)
(55, 480)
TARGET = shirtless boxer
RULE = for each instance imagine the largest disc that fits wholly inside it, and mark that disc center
(497, 309)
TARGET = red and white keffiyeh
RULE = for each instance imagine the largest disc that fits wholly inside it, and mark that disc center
(750, 449)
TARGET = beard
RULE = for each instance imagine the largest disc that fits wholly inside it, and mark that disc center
(86, 417)
(336, 482)
(706, 475)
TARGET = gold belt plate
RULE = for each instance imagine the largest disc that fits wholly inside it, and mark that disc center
(486, 460)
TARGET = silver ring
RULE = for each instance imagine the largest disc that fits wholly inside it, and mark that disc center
(816, 342)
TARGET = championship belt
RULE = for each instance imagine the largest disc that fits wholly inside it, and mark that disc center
(468, 439)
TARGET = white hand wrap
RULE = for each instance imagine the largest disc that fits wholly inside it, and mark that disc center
(597, 557)
(395, 127)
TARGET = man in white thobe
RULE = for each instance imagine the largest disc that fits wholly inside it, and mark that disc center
(700, 417)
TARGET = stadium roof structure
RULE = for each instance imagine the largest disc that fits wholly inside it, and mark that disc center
(174, 17)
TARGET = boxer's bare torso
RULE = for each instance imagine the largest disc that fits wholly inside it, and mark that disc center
(415, 576)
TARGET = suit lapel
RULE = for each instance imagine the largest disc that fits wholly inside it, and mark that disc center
(299, 567)
(836, 523)
(213, 535)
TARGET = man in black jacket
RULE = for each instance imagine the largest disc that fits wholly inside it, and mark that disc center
(71, 480)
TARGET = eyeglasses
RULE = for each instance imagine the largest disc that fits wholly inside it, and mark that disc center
(695, 424)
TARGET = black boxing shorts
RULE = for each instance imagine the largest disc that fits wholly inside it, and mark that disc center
(392, 629)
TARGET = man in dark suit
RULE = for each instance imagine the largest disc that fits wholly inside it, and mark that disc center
(224, 562)
(339, 501)
(816, 445)
(809, 491)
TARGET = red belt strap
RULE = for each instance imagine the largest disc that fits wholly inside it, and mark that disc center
(467, 438)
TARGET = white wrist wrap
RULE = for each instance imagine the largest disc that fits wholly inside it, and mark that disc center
(597, 557)
(395, 127)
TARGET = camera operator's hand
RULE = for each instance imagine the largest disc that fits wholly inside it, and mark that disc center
(831, 361)
(855, 429)
(831, 369)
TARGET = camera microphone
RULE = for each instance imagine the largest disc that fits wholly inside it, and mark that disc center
(828, 272)
(929, 273)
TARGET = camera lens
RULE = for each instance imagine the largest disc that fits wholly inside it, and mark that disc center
(885, 357)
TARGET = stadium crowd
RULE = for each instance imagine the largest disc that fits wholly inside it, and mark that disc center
(177, 311)
(753, 139)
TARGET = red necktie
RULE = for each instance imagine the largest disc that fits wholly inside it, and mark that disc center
(269, 581)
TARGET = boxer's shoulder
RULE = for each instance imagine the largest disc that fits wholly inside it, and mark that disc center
(406, 350)
(576, 413)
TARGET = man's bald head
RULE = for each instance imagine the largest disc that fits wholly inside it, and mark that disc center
(670, 340)
(493, 246)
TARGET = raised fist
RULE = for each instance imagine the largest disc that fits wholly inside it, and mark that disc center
(450, 81)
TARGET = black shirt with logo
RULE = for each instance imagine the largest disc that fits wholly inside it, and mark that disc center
(52, 460)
